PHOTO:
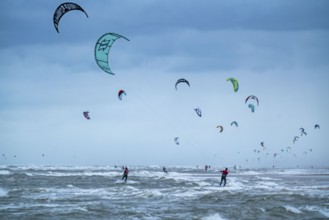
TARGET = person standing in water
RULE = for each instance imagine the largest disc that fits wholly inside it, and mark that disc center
(224, 174)
(125, 174)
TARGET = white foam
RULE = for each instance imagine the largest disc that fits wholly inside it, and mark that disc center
(323, 211)
(302, 171)
(205, 189)
(151, 193)
(4, 172)
(188, 192)
(3, 192)
(250, 173)
(53, 194)
(64, 174)
(204, 183)
(213, 217)
(292, 209)
(62, 208)
(267, 178)
(32, 168)
(267, 186)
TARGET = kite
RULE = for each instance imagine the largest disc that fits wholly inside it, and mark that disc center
(120, 94)
(86, 114)
(252, 107)
(180, 81)
(303, 132)
(262, 144)
(102, 49)
(316, 126)
(235, 83)
(198, 111)
(63, 9)
(176, 140)
(221, 128)
(252, 97)
(234, 123)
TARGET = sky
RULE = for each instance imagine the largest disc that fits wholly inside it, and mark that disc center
(278, 51)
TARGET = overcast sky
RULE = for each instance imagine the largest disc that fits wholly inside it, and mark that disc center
(278, 50)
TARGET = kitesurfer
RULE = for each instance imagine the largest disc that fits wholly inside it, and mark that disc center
(224, 174)
(125, 174)
(165, 170)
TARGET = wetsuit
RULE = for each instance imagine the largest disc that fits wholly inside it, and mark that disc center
(224, 174)
(125, 174)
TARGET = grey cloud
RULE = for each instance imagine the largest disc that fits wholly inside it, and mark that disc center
(32, 20)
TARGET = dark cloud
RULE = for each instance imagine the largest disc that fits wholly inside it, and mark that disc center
(24, 22)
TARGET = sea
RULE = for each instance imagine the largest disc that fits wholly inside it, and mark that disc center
(98, 192)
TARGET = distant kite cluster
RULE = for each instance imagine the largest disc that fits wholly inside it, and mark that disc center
(287, 149)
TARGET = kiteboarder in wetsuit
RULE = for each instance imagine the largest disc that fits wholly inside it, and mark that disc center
(125, 174)
(224, 174)
(165, 170)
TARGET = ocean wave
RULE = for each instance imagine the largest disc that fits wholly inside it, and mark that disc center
(3, 192)
(52, 194)
(182, 194)
(213, 217)
(268, 186)
(268, 178)
(292, 209)
(36, 168)
(5, 172)
(302, 171)
(67, 174)
(58, 207)
(249, 172)
(323, 211)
